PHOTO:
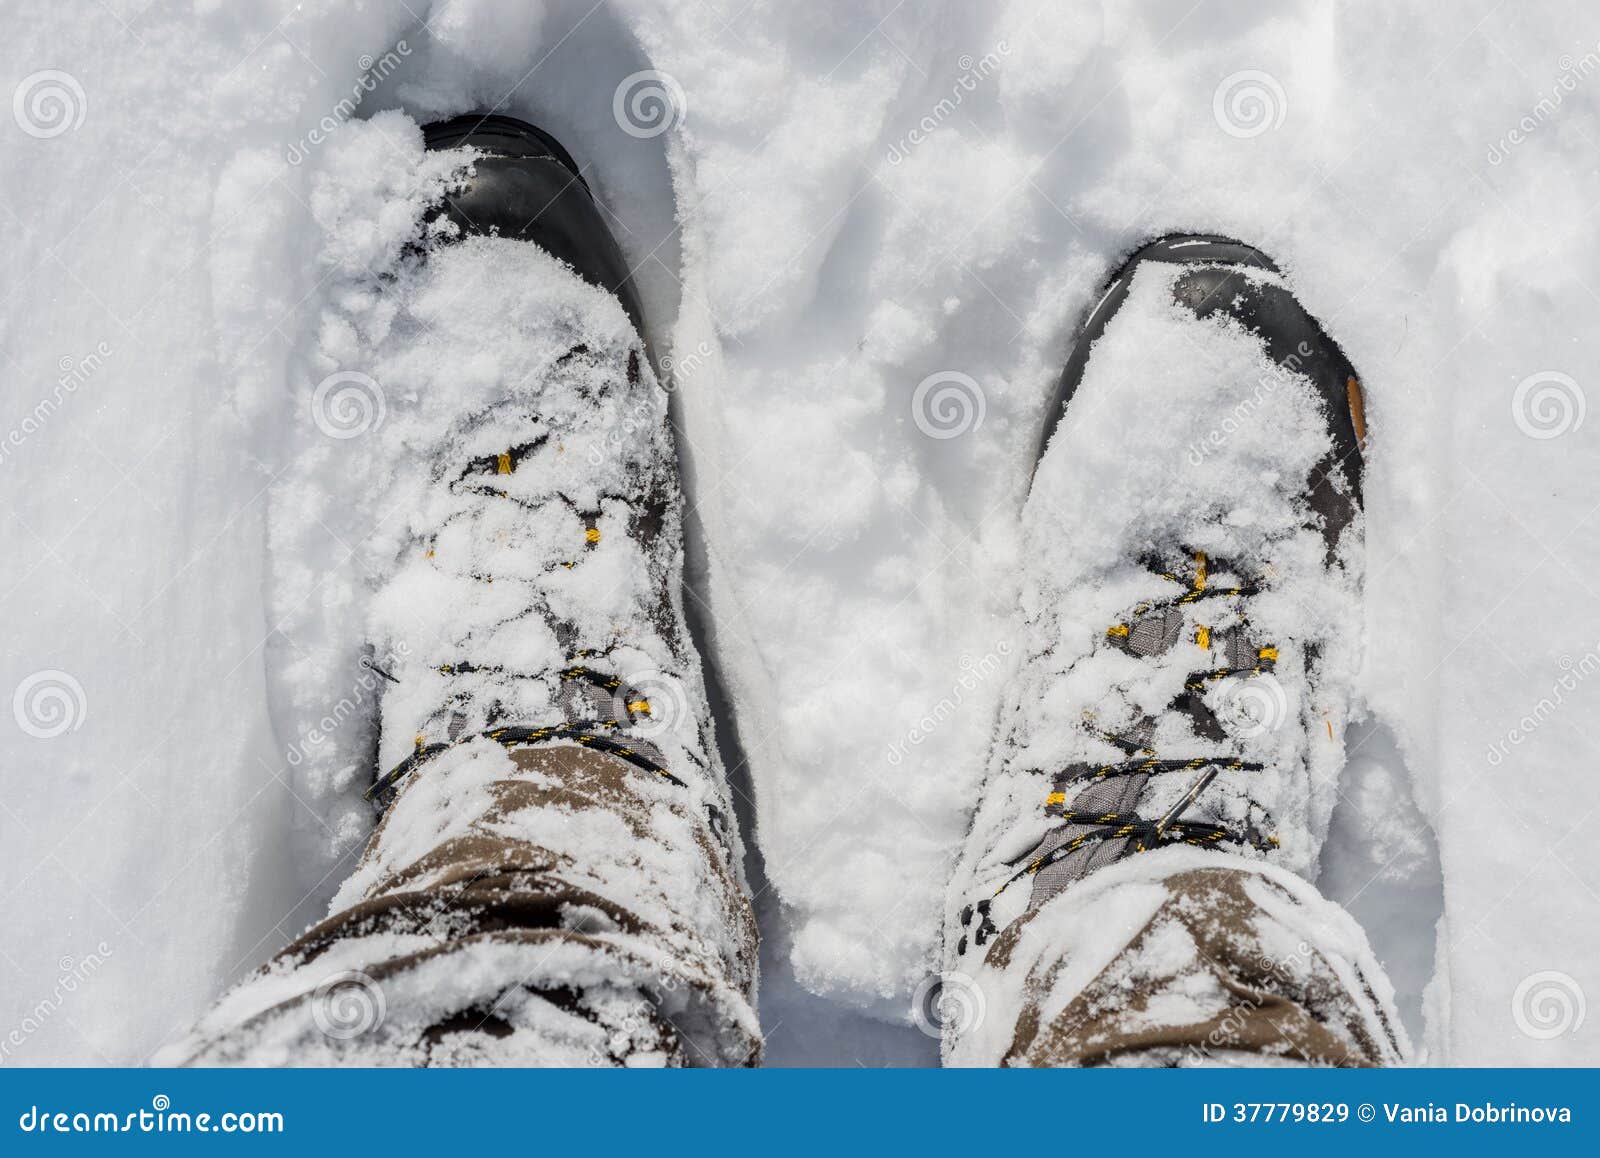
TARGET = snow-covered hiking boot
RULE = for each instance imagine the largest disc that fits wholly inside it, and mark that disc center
(567, 498)
(556, 877)
(1167, 756)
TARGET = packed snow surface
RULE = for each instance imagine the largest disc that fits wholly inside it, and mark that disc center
(864, 234)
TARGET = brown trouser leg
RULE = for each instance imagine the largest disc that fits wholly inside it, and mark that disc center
(549, 905)
(1179, 962)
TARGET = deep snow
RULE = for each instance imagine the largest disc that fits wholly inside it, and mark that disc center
(853, 199)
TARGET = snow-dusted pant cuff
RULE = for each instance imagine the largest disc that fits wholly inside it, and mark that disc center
(1180, 957)
(548, 906)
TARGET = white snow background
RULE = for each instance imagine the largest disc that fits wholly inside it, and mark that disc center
(839, 201)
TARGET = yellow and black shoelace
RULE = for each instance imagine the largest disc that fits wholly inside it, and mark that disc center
(1147, 833)
(599, 734)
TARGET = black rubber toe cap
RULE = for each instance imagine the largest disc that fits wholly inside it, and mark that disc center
(1294, 339)
(526, 186)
